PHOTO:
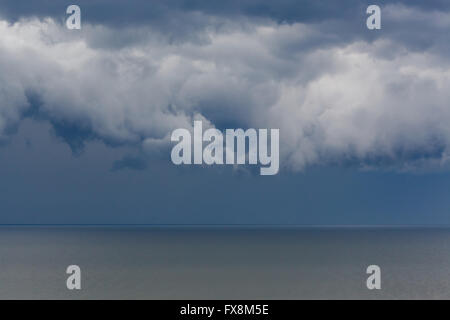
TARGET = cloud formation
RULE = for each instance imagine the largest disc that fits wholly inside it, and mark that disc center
(337, 98)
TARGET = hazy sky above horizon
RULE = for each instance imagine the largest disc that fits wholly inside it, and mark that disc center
(86, 115)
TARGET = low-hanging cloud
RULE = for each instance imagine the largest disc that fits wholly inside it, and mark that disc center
(377, 103)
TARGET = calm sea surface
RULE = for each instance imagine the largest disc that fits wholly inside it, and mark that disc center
(224, 262)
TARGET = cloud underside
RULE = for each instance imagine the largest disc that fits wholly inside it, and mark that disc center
(373, 102)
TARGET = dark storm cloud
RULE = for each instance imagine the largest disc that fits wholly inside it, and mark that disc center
(178, 20)
(137, 70)
(144, 11)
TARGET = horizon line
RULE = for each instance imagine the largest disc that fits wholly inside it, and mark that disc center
(225, 225)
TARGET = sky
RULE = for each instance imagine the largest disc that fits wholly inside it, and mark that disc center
(86, 115)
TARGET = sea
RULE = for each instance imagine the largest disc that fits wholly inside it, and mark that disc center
(224, 262)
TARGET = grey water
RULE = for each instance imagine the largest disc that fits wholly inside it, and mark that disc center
(224, 262)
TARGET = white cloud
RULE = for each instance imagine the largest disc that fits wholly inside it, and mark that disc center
(332, 103)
